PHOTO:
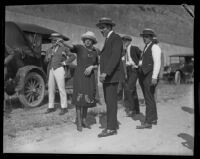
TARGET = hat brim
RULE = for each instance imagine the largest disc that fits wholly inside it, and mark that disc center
(100, 24)
(89, 37)
(148, 34)
(126, 39)
(63, 38)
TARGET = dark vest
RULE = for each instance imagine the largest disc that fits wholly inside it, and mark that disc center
(147, 60)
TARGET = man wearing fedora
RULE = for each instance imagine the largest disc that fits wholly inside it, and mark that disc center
(132, 56)
(149, 68)
(111, 72)
(57, 57)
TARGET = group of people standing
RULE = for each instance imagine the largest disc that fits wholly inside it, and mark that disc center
(119, 61)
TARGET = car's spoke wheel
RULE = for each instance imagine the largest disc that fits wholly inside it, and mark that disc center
(177, 78)
(33, 92)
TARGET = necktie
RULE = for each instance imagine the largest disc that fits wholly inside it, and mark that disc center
(105, 43)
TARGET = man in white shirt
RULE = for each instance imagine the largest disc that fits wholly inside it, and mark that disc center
(131, 57)
(149, 68)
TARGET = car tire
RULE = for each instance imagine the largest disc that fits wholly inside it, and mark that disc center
(177, 78)
(33, 91)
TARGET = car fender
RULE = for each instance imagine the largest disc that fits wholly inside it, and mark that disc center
(23, 71)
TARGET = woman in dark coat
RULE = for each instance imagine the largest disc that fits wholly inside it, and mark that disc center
(84, 84)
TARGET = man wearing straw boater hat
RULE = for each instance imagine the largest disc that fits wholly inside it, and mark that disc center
(111, 72)
(132, 56)
(149, 68)
(57, 56)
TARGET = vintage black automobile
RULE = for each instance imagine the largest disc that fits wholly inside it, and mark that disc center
(25, 71)
(181, 69)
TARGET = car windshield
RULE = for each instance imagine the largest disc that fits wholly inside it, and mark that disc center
(180, 59)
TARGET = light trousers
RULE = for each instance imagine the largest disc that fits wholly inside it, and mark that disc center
(57, 76)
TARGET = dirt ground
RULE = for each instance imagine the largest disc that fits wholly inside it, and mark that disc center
(32, 131)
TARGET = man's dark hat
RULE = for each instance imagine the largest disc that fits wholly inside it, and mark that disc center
(105, 20)
(148, 31)
(58, 36)
(126, 37)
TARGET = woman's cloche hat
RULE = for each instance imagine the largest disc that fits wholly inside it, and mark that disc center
(89, 35)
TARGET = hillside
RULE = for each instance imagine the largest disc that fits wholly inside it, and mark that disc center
(171, 22)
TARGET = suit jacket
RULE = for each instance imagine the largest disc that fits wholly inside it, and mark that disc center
(55, 59)
(135, 54)
(110, 59)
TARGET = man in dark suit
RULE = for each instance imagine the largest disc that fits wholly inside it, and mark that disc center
(131, 58)
(149, 68)
(111, 72)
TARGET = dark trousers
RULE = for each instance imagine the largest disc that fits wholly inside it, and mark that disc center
(110, 96)
(148, 91)
(132, 101)
(121, 90)
(97, 96)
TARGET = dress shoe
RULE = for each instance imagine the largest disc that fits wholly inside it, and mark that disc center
(63, 111)
(86, 125)
(144, 126)
(104, 130)
(107, 132)
(50, 110)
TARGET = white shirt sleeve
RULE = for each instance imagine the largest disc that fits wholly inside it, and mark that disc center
(156, 54)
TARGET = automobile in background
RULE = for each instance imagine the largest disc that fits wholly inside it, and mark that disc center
(25, 72)
(180, 69)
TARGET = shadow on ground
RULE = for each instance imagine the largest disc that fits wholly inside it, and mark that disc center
(187, 109)
(189, 140)
(91, 119)
(103, 120)
(139, 117)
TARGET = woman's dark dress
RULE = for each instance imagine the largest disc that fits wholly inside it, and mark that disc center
(84, 87)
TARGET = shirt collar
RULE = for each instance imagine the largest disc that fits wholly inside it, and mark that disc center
(128, 47)
(109, 34)
(149, 43)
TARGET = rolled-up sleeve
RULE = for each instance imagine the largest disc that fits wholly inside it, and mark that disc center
(156, 54)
